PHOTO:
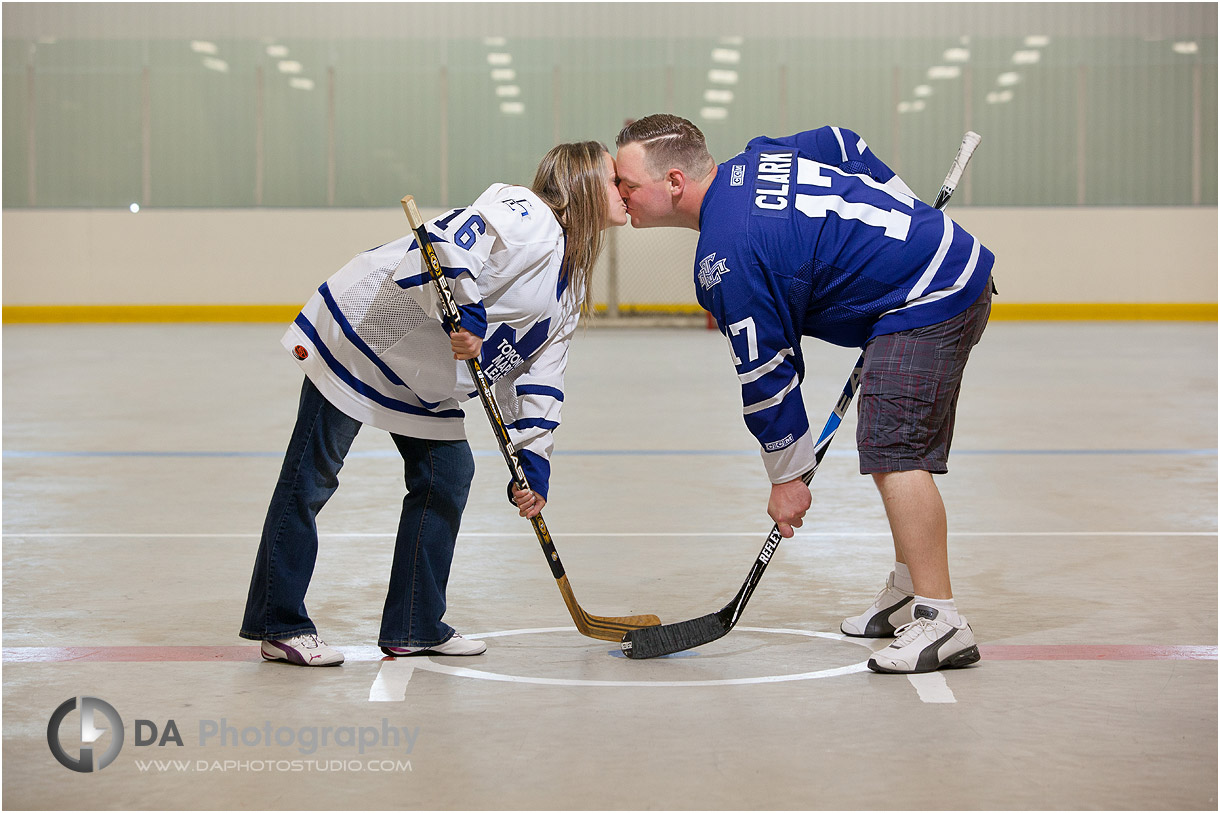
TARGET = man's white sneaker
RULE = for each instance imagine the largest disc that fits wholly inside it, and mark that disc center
(927, 644)
(457, 645)
(891, 609)
(303, 650)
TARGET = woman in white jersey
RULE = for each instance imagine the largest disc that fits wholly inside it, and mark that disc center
(374, 350)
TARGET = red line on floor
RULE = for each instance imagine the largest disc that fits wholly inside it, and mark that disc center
(195, 654)
(130, 654)
(1096, 652)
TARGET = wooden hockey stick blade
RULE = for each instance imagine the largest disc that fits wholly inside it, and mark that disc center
(611, 628)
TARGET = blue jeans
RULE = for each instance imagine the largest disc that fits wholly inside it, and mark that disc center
(438, 475)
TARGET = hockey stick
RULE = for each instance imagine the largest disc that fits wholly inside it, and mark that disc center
(670, 638)
(969, 141)
(593, 626)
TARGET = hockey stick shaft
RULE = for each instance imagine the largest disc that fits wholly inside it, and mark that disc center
(601, 627)
(969, 142)
(670, 638)
(775, 537)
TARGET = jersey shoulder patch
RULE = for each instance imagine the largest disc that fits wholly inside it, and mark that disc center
(517, 215)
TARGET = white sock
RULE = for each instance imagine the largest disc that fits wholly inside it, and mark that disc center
(945, 607)
(902, 578)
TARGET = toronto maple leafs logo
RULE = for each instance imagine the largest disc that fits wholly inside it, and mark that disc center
(710, 271)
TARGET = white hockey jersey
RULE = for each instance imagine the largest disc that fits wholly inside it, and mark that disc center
(372, 339)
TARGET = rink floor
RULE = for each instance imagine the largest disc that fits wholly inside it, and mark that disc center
(1082, 498)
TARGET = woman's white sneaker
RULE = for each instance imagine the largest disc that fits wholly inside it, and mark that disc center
(457, 645)
(927, 644)
(303, 650)
(891, 609)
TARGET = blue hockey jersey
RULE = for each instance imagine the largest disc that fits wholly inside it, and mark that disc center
(812, 235)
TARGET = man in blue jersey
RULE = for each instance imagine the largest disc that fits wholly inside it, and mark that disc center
(812, 235)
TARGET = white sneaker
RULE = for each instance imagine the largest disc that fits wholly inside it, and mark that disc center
(456, 645)
(891, 609)
(303, 650)
(927, 644)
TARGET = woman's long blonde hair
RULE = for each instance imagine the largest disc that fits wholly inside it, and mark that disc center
(570, 180)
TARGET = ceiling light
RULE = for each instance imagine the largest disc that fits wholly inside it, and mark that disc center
(1026, 57)
(301, 83)
(1186, 47)
(944, 72)
(1008, 79)
(503, 75)
(499, 59)
(203, 47)
(714, 113)
(508, 91)
(289, 66)
(1037, 41)
(721, 77)
(734, 40)
(495, 42)
(923, 90)
(512, 108)
(214, 64)
(727, 56)
(957, 55)
(911, 107)
(999, 96)
(717, 96)
(277, 51)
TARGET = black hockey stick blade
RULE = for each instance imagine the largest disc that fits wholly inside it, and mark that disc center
(653, 642)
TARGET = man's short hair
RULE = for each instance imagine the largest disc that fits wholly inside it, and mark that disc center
(669, 141)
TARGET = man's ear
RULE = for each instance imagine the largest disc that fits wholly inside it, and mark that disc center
(675, 179)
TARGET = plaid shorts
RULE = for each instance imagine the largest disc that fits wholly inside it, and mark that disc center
(909, 389)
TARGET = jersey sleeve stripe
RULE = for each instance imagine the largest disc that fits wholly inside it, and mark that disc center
(416, 280)
(774, 400)
(539, 389)
(533, 423)
(763, 369)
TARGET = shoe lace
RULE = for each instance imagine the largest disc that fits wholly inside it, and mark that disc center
(877, 599)
(311, 641)
(911, 631)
